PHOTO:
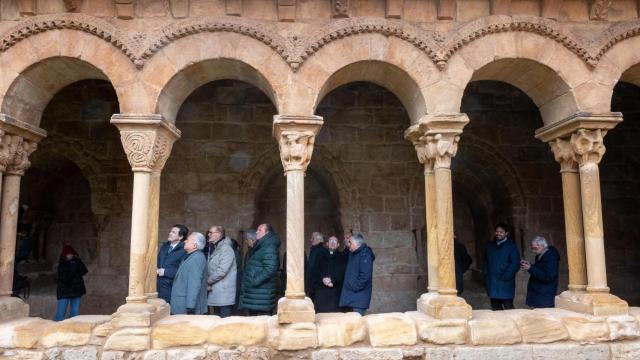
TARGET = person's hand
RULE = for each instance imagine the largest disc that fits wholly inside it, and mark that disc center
(525, 265)
(160, 272)
(327, 282)
(191, 311)
(209, 287)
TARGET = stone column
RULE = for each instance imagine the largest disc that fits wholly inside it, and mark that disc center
(438, 136)
(295, 135)
(147, 141)
(584, 133)
(17, 141)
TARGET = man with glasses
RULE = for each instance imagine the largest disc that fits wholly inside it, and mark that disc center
(223, 271)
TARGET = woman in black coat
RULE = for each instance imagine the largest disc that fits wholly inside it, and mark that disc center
(327, 277)
(70, 284)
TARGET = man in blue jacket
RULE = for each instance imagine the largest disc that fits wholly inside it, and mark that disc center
(170, 256)
(543, 274)
(502, 262)
(358, 284)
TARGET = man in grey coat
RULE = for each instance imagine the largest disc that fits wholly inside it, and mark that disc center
(222, 273)
(189, 290)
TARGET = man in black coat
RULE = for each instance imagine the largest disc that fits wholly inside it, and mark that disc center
(543, 274)
(328, 279)
(170, 256)
(311, 267)
(462, 261)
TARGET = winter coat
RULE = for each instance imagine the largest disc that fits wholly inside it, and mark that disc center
(70, 282)
(463, 261)
(327, 299)
(222, 274)
(358, 284)
(258, 291)
(170, 262)
(501, 265)
(310, 269)
(543, 280)
(189, 290)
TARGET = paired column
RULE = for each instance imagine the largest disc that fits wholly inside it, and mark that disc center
(436, 140)
(296, 136)
(17, 141)
(147, 140)
(579, 140)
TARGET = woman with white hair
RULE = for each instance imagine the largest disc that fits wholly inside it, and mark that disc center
(543, 274)
(189, 290)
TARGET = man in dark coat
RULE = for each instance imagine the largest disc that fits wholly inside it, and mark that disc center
(328, 279)
(543, 274)
(502, 262)
(311, 268)
(358, 277)
(189, 289)
(463, 262)
(170, 256)
(258, 294)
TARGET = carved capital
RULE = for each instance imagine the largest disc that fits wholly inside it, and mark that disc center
(588, 145)
(17, 141)
(564, 154)
(425, 147)
(20, 161)
(147, 140)
(446, 147)
(436, 138)
(296, 136)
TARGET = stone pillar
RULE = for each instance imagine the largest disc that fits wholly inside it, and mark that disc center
(436, 139)
(17, 141)
(147, 141)
(295, 135)
(580, 138)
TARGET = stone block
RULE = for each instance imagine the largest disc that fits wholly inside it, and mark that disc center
(180, 354)
(623, 327)
(324, 354)
(571, 352)
(242, 353)
(581, 327)
(238, 330)
(296, 336)
(16, 354)
(451, 331)
(76, 331)
(155, 355)
(80, 353)
(22, 333)
(625, 350)
(371, 353)
(295, 310)
(538, 327)
(391, 329)
(112, 355)
(338, 329)
(12, 308)
(129, 339)
(181, 330)
(493, 328)
(438, 353)
(520, 352)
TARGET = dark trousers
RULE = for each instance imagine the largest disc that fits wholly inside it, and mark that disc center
(222, 311)
(501, 304)
(258, 312)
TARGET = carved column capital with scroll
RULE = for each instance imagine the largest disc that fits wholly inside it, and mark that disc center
(296, 137)
(564, 154)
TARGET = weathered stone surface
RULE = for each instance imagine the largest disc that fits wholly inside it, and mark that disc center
(242, 353)
(538, 327)
(129, 339)
(155, 355)
(625, 350)
(80, 353)
(520, 352)
(581, 327)
(236, 330)
(391, 329)
(493, 328)
(571, 352)
(181, 330)
(296, 336)
(324, 354)
(22, 333)
(623, 327)
(12, 308)
(453, 331)
(180, 354)
(340, 329)
(438, 353)
(112, 355)
(371, 353)
(75, 331)
(16, 354)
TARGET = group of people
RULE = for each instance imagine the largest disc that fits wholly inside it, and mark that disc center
(502, 263)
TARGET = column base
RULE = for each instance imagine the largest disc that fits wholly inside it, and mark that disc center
(135, 315)
(444, 306)
(296, 310)
(593, 303)
(163, 309)
(12, 308)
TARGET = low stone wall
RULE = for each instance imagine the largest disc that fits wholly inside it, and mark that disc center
(514, 334)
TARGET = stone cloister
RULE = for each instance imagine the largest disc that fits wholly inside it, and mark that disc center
(405, 120)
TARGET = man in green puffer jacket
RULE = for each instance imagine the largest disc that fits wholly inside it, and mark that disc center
(258, 293)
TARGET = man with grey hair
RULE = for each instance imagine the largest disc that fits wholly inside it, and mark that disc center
(311, 265)
(189, 290)
(543, 274)
(358, 277)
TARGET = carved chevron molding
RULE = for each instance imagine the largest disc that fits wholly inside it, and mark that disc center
(295, 50)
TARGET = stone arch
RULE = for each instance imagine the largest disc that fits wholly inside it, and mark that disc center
(552, 76)
(186, 64)
(621, 63)
(36, 68)
(387, 61)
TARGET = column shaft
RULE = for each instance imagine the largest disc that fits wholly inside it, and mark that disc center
(574, 229)
(295, 235)
(139, 236)
(432, 236)
(444, 216)
(8, 228)
(151, 258)
(593, 232)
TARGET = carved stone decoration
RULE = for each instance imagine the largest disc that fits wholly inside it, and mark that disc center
(424, 145)
(564, 154)
(125, 9)
(436, 138)
(20, 161)
(340, 8)
(17, 141)
(179, 8)
(8, 147)
(588, 145)
(296, 137)
(72, 5)
(26, 7)
(147, 140)
(446, 146)
(600, 9)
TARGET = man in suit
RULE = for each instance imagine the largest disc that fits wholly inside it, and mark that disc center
(189, 290)
(170, 256)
